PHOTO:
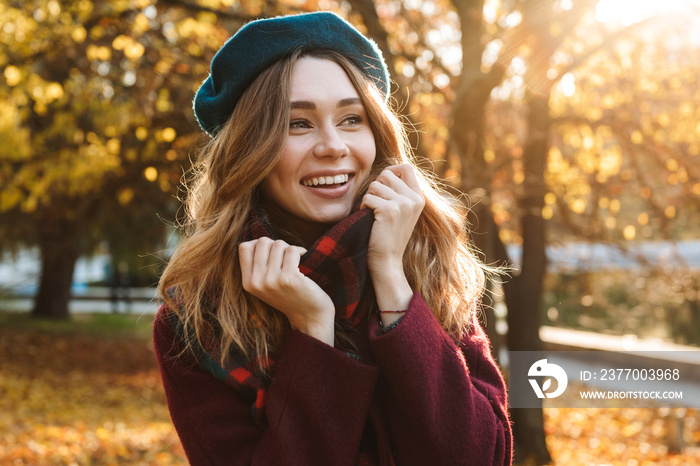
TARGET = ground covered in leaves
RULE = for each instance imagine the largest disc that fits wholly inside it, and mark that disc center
(84, 392)
(88, 392)
(623, 434)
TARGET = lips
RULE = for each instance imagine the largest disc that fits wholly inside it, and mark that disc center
(329, 180)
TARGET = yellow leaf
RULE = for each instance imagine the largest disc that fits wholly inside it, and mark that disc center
(547, 212)
(578, 206)
(134, 51)
(53, 91)
(169, 134)
(9, 198)
(121, 42)
(102, 433)
(632, 429)
(615, 205)
(78, 34)
(151, 173)
(12, 75)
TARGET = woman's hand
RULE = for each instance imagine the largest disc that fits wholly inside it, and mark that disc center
(270, 271)
(397, 201)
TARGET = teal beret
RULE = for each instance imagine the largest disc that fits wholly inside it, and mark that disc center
(260, 43)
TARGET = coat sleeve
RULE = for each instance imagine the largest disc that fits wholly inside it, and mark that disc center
(313, 386)
(446, 403)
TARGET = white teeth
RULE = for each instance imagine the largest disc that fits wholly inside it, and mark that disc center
(324, 180)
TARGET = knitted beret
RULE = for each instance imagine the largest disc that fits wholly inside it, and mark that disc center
(260, 43)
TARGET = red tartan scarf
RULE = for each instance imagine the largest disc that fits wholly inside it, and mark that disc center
(337, 262)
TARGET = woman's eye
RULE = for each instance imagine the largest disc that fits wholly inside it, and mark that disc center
(353, 120)
(298, 124)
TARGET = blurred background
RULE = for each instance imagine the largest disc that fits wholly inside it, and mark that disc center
(571, 128)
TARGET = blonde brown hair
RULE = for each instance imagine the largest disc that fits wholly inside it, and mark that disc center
(204, 269)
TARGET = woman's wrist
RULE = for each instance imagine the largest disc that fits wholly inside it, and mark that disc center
(388, 318)
(324, 332)
(393, 293)
(319, 325)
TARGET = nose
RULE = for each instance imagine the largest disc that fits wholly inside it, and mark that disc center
(330, 144)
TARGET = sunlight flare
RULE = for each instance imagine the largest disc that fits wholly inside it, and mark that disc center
(627, 12)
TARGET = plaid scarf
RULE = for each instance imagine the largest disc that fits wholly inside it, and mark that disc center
(337, 262)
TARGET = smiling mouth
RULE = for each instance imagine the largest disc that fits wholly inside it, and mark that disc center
(326, 181)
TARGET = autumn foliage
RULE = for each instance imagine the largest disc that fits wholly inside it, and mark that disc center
(620, 436)
(73, 396)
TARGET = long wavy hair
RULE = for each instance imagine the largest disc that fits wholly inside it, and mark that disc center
(224, 188)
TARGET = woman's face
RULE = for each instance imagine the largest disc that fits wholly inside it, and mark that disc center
(329, 149)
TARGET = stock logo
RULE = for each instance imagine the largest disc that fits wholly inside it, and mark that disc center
(542, 368)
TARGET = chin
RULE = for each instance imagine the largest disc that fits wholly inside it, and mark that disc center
(331, 215)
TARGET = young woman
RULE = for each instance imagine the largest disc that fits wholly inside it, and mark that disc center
(322, 308)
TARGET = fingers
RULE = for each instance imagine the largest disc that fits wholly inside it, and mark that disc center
(405, 173)
(397, 184)
(261, 256)
(384, 191)
(292, 256)
(397, 201)
(266, 264)
(246, 252)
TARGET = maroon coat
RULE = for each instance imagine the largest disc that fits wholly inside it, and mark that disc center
(416, 399)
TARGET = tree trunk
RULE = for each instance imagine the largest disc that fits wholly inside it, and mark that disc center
(481, 227)
(368, 11)
(59, 244)
(525, 297)
(467, 133)
(526, 317)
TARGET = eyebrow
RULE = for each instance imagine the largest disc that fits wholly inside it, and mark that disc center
(307, 105)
